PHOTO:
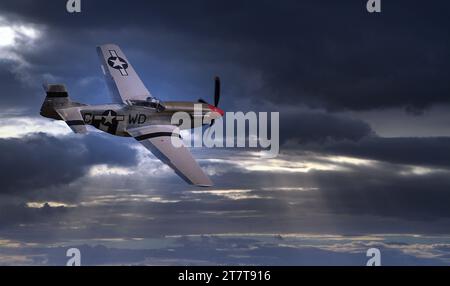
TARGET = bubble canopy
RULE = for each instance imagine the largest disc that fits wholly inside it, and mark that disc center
(150, 102)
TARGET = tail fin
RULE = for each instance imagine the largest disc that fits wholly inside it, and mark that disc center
(57, 105)
(57, 97)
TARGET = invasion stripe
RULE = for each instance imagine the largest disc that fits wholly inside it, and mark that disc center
(156, 134)
(57, 94)
(75, 122)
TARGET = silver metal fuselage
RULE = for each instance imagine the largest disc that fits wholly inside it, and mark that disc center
(117, 118)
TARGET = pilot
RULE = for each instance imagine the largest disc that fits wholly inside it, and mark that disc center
(155, 103)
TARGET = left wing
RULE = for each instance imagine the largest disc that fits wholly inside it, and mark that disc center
(158, 139)
(122, 80)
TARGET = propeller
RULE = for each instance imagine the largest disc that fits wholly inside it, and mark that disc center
(216, 95)
(216, 100)
(216, 91)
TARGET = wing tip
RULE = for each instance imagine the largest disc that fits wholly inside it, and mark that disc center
(204, 185)
(204, 182)
(99, 47)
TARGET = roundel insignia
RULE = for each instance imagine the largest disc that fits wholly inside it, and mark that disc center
(117, 63)
(109, 117)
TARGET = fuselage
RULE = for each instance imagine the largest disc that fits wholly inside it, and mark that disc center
(117, 118)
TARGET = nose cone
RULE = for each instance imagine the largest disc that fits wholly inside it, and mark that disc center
(216, 109)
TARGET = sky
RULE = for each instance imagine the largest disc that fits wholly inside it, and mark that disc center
(364, 131)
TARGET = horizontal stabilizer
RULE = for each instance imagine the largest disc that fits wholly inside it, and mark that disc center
(73, 119)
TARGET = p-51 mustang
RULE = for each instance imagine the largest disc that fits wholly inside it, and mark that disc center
(134, 113)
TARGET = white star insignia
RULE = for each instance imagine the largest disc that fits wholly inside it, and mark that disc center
(108, 118)
(117, 63)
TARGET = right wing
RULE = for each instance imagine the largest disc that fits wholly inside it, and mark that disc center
(158, 139)
(121, 78)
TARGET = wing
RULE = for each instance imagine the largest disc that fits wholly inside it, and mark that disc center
(158, 139)
(73, 119)
(121, 78)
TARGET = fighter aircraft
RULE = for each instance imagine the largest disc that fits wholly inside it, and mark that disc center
(134, 112)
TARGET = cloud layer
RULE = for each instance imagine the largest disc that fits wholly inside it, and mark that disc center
(330, 69)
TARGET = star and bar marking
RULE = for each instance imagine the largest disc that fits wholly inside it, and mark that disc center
(117, 63)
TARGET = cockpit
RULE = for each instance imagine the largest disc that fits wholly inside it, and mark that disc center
(150, 102)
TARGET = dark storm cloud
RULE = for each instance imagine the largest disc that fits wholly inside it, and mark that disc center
(328, 133)
(380, 198)
(13, 214)
(331, 134)
(371, 199)
(412, 151)
(39, 167)
(314, 126)
(39, 160)
(14, 95)
(329, 54)
(381, 191)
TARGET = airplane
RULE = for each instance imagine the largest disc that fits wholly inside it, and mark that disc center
(135, 113)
